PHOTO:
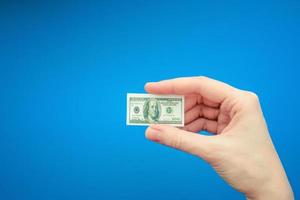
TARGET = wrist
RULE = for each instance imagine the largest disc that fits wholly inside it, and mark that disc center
(275, 191)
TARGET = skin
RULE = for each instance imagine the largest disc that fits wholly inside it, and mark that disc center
(241, 150)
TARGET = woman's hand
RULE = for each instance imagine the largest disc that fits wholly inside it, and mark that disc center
(241, 150)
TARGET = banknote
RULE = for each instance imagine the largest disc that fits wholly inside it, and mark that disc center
(145, 109)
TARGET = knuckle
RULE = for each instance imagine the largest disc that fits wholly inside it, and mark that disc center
(253, 96)
(201, 78)
(251, 99)
(177, 141)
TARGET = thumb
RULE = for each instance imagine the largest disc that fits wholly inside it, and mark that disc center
(189, 142)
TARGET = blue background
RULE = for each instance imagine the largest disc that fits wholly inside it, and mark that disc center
(65, 69)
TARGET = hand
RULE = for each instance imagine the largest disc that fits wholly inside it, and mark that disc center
(240, 151)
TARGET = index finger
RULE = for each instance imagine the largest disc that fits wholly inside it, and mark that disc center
(208, 88)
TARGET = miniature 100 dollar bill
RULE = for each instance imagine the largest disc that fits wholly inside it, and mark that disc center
(145, 109)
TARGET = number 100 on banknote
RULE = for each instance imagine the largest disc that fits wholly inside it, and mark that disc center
(145, 109)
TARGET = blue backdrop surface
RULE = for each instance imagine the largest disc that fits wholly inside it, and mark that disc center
(65, 69)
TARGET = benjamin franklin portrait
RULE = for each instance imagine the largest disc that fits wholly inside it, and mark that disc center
(152, 110)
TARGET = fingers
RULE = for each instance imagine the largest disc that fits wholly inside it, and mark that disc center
(190, 101)
(210, 89)
(202, 124)
(192, 114)
(199, 111)
(210, 103)
(193, 99)
(186, 141)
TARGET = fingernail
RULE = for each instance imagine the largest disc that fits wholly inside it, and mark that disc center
(150, 83)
